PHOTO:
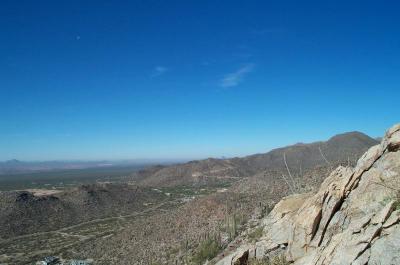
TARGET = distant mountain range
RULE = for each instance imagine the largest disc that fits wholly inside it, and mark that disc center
(338, 149)
(342, 148)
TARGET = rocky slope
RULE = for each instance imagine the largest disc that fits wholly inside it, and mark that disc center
(199, 172)
(22, 212)
(172, 233)
(352, 219)
(174, 237)
(342, 148)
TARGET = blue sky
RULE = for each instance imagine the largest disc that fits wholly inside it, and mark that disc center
(192, 79)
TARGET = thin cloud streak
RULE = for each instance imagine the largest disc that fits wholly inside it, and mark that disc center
(159, 70)
(235, 78)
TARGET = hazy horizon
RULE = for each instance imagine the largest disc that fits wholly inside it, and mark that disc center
(155, 160)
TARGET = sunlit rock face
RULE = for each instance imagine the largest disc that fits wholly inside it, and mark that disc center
(354, 218)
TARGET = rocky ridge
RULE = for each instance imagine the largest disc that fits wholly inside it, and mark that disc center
(22, 212)
(354, 218)
(342, 148)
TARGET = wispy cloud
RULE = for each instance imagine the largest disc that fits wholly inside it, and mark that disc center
(159, 70)
(235, 78)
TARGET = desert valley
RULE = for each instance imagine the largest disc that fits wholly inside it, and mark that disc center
(187, 213)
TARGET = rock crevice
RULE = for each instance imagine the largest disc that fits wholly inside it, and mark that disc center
(352, 219)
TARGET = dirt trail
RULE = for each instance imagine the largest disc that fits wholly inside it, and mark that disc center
(63, 231)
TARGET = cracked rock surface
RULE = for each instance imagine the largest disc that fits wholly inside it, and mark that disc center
(354, 218)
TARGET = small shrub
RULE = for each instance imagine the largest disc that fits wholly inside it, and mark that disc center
(396, 204)
(207, 250)
(394, 187)
(256, 234)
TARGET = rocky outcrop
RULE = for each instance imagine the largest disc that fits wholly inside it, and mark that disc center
(354, 218)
